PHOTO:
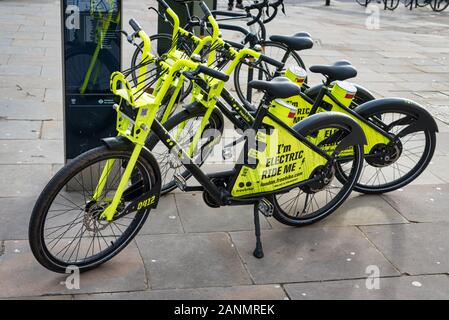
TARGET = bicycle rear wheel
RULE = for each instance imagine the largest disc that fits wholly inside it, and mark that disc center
(311, 203)
(243, 73)
(66, 228)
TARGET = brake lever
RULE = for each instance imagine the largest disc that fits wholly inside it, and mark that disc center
(158, 13)
(129, 38)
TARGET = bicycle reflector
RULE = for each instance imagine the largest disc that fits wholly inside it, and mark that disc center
(344, 92)
(296, 74)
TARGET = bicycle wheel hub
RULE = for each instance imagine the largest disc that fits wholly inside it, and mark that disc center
(322, 177)
(382, 155)
(92, 221)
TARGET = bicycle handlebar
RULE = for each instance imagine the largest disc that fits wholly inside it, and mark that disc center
(135, 25)
(164, 4)
(271, 61)
(275, 6)
(256, 6)
(205, 9)
(213, 73)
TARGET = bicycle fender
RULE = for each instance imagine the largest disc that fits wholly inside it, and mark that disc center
(355, 137)
(423, 120)
(147, 199)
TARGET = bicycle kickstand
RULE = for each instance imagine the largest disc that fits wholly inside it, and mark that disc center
(258, 251)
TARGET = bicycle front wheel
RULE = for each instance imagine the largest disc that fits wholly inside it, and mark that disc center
(66, 228)
(183, 127)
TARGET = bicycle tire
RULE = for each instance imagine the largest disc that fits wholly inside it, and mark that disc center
(238, 77)
(282, 212)
(216, 122)
(60, 182)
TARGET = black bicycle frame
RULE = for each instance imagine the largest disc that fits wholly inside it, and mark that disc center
(222, 196)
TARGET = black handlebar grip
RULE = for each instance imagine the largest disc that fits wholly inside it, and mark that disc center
(235, 44)
(271, 61)
(205, 9)
(163, 4)
(135, 25)
(213, 73)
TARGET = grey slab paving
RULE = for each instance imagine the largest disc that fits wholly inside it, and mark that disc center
(196, 216)
(418, 248)
(23, 180)
(31, 151)
(253, 292)
(442, 127)
(23, 110)
(192, 260)
(443, 142)
(165, 219)
(52, 130)
(20, 70)
(427, 203)
(125, 272)
(358, 210)
(396, 288)
(14, 217)
(310, 254)
(10, 130)
(438, 166)
(14, 92)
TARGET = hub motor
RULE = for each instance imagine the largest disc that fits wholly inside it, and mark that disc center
(323, 176)
(382, 155)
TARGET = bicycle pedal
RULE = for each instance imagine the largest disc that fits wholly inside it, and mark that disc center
(226, 153)
(180, 182)
(266, 207)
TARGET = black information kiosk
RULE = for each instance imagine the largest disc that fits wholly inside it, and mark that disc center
(91, 52)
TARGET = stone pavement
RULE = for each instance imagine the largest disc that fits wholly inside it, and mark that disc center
(189, 251)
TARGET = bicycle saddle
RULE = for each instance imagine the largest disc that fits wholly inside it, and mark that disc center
(340, 70)
(279, 87)
(297, 42)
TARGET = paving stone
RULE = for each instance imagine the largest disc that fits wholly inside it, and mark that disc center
(125, 272)
(254, 292)
(415, 249)
(31, 151)
(23, 180)
(421, 203)
(10, 130)
(53, 95)
(14, 217)
(438, 166)
(21, 110)
(52, 130)
(36, 44)
(20, 70)
(357, 210)
(196, 216)
(396, 288)
(427, 177)
(164, 219)
(192, 260)
(17, 92)
(308, 254)
(443, 143)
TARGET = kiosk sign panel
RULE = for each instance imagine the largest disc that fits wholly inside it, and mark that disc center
(91, 52)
